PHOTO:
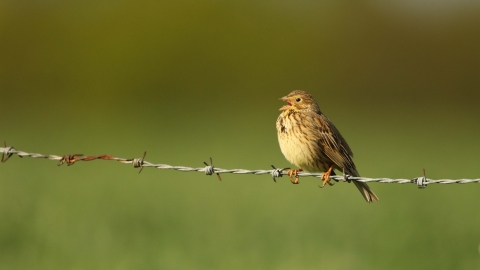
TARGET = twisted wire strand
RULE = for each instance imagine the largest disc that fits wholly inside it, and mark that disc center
(421, 182)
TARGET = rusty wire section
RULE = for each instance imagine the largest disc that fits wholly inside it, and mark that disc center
(70, 159)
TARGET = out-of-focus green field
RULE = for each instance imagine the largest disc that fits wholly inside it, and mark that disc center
(189, 80)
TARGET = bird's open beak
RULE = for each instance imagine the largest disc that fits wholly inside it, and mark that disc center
(285, 107)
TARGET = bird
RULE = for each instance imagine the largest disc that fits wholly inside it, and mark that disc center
(310, 141)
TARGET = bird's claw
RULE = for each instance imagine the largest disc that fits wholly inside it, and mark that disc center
(294, 173)
(327, 181)
(326, 177)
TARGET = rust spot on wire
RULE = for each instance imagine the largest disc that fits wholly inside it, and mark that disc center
(103, 157)
(69, 159)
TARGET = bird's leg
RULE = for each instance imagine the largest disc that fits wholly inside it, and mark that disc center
(294, 173)
(326, 177)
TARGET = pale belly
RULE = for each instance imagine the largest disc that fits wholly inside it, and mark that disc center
(301, 154)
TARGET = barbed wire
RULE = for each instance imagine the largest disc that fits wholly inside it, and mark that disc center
(209, 169)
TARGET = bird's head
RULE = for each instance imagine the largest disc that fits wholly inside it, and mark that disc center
(299, 100)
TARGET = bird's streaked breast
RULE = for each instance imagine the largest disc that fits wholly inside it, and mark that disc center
(297, 143)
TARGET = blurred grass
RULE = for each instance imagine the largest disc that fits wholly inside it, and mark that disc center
(194, 79)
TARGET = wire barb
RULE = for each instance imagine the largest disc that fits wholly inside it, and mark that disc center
(346, 177)
(138, 162)
(276, 173)
(421, 182)
(210, 169)
(69, 159)
(7, 152)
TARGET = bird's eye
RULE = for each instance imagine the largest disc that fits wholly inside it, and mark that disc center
(298, 99)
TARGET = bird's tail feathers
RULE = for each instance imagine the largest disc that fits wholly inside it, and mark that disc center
(367, 193)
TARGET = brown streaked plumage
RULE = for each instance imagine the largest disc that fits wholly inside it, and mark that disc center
(311, 142)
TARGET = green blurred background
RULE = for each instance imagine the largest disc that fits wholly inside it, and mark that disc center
(189, 80)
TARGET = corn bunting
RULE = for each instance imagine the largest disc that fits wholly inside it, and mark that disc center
(311, 142)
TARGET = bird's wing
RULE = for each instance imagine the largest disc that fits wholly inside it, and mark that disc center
(332, 143)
